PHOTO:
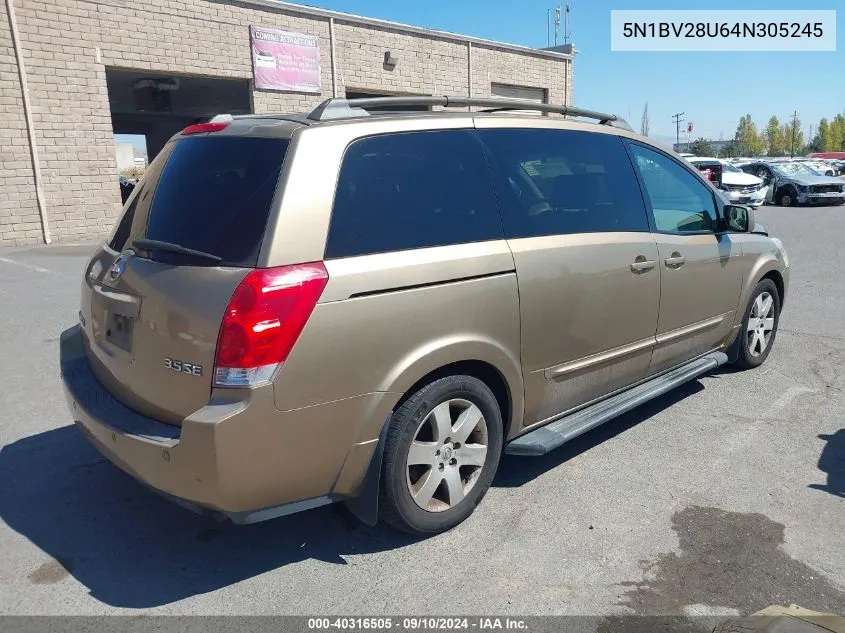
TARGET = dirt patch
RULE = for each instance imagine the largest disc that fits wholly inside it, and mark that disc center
(51, 572)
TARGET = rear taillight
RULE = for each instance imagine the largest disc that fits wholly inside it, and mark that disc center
(263, 320)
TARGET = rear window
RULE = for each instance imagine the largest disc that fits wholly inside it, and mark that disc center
(214, 195)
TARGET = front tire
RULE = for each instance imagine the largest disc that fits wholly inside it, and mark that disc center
(787, 197)
(759, 326)
(441, 452)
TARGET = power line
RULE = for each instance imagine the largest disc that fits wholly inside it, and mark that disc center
(678, 120)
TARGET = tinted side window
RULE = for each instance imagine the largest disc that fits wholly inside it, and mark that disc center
(680, 202)
(412, 190)
(563, 181)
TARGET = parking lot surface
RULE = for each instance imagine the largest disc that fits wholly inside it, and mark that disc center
(722, 497)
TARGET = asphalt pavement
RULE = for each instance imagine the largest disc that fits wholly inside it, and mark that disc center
(722, 497)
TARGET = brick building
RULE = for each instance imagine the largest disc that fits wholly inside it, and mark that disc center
(75, 72)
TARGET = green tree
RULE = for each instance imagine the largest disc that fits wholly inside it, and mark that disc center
(837, 134)
(774, 138)
(815, 145)
(824, 136)
(749, 142)
(729, 150)
(701, 147)
(793, 137)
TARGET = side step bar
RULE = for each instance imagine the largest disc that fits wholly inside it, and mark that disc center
(549, 437)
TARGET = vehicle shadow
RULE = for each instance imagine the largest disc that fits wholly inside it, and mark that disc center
(832, 462)
(516, 471)
(133, 549)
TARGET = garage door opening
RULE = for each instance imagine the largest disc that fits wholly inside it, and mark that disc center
(157, 105)
(360, 94)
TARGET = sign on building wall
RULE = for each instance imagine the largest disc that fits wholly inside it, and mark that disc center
(282, 60)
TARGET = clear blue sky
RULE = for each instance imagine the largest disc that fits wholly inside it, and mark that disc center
(713, 89)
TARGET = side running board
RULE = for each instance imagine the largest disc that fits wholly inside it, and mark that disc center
(549, 437)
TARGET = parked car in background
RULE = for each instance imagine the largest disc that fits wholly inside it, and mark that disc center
(821, 167)
(736, 185)
(127, 185)
(791, 183)
(335, 306)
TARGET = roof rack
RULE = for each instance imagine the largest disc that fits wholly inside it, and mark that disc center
(333, 109)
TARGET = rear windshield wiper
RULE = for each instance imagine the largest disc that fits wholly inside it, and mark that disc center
(157, 245)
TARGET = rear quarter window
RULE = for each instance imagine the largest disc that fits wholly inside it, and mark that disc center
(412, 190)
(214, 195)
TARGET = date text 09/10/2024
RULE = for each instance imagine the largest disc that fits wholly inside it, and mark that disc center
(417, 623)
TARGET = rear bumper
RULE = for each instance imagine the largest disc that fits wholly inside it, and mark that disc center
(238, 456)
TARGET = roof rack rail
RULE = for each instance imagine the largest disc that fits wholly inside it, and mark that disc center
(332, 109)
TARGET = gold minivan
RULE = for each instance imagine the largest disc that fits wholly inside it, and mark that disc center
(371, 306)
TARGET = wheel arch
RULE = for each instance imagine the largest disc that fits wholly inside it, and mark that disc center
(486, 373)
(776, 276)
(486, 359)
(785, 187)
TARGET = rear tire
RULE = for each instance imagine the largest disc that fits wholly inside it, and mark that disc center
(441, 452)
(759, 325)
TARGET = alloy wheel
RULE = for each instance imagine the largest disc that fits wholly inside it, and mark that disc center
(447, 455)
(761, 324)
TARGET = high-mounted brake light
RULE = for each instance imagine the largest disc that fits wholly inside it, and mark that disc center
(200, 128)
(263, 320)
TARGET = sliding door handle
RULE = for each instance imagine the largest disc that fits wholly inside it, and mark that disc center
(675, 261)
(641, 264)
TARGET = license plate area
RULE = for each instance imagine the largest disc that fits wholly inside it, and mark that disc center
(118, 331)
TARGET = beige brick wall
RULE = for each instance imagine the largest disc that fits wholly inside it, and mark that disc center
(19, 219)
(68, 44)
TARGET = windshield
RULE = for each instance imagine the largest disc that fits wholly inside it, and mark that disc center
(793, 170)
(729, 167)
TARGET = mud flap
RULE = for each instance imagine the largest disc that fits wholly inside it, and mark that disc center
(733, 349)
(364, 506)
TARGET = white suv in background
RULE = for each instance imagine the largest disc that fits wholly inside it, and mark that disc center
(737, 186)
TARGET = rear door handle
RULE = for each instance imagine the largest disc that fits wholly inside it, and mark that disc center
(675, 261)
(641, 264)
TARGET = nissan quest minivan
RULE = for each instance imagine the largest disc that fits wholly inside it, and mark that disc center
(371, 307)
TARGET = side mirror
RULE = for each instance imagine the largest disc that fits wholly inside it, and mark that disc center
(739, 219)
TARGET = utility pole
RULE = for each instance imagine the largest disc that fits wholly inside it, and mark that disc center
(548, 27)
(678, 120)
(792, 145)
